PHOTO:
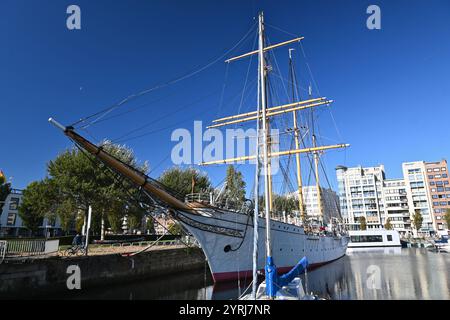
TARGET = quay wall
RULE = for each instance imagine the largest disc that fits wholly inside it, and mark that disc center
(36, 277)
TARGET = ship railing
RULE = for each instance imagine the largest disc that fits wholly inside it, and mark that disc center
(222, 203)
(160, 243)
(199, 197)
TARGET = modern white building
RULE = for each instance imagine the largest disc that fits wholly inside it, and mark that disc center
(11, 225)
(365, 192)
(330, 202)
(396, 205)
(419, 198)
(361, 195)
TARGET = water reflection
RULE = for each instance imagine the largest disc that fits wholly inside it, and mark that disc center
(191, 286)
(383, 273)
(413, 273)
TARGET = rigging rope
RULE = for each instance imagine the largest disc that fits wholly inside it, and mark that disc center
(108, 171)
(122, 137)
(104, 112)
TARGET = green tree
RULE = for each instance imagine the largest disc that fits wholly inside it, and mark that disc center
(184, 181)
(150, 226)
(76, 181)
(5, 190)
(174, 228)
(284, 204)
(362, 223)
(417, 220)
(134, 221)
(235, 189)
(115, 221)
(67, 213)
(37, 204)
(30, 219)
(388, 225)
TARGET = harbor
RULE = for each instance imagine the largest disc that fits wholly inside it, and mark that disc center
(405, 274)
(260, 163)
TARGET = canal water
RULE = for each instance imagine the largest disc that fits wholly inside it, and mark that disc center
(384, 273)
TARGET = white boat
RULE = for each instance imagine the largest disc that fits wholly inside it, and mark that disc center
(292, 291)
(374, 238)
(227, 241)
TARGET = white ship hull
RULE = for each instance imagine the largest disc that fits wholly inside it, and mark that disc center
(227, 241)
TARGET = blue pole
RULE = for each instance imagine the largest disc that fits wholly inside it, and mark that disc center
(271, 278)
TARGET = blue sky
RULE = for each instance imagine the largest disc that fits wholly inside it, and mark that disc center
(390, 86)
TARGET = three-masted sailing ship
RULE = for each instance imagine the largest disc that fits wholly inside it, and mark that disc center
(227, 236)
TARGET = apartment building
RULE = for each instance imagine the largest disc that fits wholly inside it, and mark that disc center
(11, 225)
(438, 183)
(396, 205)
(361, 195)
(330, 202)
(418, 194)
(425, 189)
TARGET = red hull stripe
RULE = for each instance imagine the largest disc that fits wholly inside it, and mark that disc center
(227, 276)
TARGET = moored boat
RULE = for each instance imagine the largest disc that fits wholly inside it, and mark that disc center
(227, 236)
(374, 238)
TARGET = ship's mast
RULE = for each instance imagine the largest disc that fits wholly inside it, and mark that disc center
(316, 162)
(256, 211)
(316, 165)
(263, 115)
(297, 145)
(262, 75)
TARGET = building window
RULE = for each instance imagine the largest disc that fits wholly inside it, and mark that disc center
(432, 183)
(430, 176)
(11, 219)
(14, 204)
(444, 175)
(366, 239)
(429, 170)
(389, 237)
(443, 169)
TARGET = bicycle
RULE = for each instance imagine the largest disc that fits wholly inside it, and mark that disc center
(75, 251)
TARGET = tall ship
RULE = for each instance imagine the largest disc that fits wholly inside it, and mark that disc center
(227, 235)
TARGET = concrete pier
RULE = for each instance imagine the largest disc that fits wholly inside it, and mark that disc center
(32, 278)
